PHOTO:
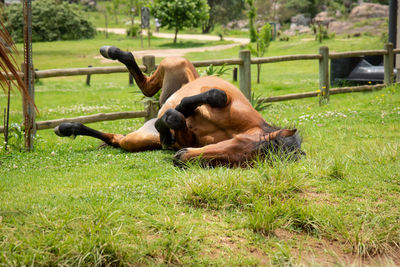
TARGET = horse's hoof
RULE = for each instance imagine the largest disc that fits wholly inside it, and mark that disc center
(109, 51)
(67, 129)
(174, 119)
(178, 158)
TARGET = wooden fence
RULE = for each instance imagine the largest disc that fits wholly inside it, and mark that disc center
(244, 61)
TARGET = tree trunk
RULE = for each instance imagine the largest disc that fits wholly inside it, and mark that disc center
(116, 17)
(176, 35)
(106, 21)
(208, 26)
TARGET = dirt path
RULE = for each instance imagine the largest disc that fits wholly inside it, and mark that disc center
(181, 51)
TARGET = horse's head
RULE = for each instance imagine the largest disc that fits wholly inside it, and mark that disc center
(284, 143)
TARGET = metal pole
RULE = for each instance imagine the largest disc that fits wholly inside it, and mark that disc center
(28, 100)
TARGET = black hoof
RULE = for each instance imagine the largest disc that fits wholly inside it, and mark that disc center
(216, 98)
(178, 160)
(109, 52)
(68, 129)
(174, 119)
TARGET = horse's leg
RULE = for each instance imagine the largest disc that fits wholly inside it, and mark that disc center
(175, 118)
(149, 86)
(170, 74)
(237, 151)
(233, 152)
(145, 138)
(216, 98)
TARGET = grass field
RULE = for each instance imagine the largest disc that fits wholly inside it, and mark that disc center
(72, 203)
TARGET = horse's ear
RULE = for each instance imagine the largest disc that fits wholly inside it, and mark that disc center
(287, 132)
(282, 133)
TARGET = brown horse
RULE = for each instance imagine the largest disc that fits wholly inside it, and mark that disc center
(204, 118)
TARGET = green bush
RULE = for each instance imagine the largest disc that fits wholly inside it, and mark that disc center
(51, 21)
(133, 31)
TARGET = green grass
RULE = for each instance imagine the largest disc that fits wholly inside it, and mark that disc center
(71, 203)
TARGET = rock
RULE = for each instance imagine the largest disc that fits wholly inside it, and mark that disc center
(369, 10)
(237, 24)
(323, 18)
(297, 30)
(300, 20)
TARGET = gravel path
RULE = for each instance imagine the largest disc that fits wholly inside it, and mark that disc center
(181, 51)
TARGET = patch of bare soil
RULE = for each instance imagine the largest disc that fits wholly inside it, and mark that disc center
(237, 246)
(318, 197)
(313, 251)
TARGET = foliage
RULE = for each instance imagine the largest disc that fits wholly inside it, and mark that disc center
(263, 39)
(8, 63)
(180, 14)
(320, 32)
(212, 71)
(133, 30)
(51, 21)
(16, 140)
(257, 104)
(251, 14)
(115, 8)
(223, 11)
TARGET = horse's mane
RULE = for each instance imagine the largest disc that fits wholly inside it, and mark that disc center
(283, 146)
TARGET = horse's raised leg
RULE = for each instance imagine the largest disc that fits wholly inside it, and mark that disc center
(175, 118)
(145, 138)
(170, 74)
(148, 87)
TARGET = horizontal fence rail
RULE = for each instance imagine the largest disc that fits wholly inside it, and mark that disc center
(285, 58)
(333, 91)
(42, 125)
(40, 74)
(335, 55)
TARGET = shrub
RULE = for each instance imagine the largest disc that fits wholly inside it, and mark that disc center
(51, 21)
(133, 31)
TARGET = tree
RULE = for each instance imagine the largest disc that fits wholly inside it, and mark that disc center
(263, 39)
(223, 11)
(115, 7)
(252, 13)
(180, 14)
(51, 21)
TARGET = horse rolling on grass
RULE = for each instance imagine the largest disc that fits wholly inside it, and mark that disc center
(205, 119)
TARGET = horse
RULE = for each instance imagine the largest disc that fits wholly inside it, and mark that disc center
(206, 119)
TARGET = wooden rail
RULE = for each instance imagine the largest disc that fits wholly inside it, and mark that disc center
(41, 125)
(364, 53)
(284, 58)
(333, 91)
(40, 74)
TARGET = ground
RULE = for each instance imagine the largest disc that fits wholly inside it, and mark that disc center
(72, 203)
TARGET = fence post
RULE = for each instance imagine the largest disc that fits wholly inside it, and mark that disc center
(150, 63)
(152, 107)
(28, 108)
(88, 77)
(324, 75)
(234, 74)
(245, 73)
(130, 80)
(388, 60)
